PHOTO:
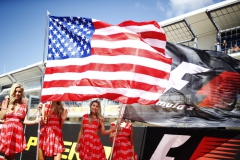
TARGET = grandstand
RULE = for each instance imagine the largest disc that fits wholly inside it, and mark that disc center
(199, 29)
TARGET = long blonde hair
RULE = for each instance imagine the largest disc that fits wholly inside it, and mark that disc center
(59, 107)
(12, 95)
(99, 113)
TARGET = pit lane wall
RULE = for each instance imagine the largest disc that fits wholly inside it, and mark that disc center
(156, 143)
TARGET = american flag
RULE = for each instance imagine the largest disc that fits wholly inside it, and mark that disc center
(88, 58)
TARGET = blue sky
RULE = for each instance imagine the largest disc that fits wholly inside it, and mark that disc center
(22, 27)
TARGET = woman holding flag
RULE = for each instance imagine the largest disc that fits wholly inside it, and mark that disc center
(124, 143)
(51, 137)
(89, 144)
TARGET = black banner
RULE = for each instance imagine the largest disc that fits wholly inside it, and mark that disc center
(203, 91)
(191, 144)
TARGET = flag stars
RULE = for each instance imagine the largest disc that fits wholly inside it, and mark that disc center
(66, 44)
(69, 37)
(85, 29)
(50, 36)
(56, 54)
(59, 27)
(70, 48)
(61, 50)
(64, 54)
(53, 41)
(88, 51)
(55, 32)
(63, 40)
(85, 46)
(89, 24)
(82, 52)
(73, 53)
(57, 45)
(83, 36)
(75, 30)
(73, 26)
(59, 36)
(51, 27)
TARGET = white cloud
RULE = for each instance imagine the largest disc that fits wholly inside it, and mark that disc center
(179, 7)
(160, 6)
(139, 5)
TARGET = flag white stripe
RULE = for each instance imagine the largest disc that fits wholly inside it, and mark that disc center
(107, 76)
(144, 28)
(112, 30)
(121, 59)
(155, 42)
(128, 92)
(123, 43)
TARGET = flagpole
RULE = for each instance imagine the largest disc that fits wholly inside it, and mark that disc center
(43, 67)
(120, 114)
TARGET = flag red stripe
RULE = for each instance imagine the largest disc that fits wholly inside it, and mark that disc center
(100, 25)
(132, 23)
(115, 37)
(109, 68)
(153, 35)
(127, 36)
(161, 50)
(103, 84)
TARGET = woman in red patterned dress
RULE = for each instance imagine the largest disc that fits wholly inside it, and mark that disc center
(51, 137)
(12, 138)
(124, 143)
(89, 144)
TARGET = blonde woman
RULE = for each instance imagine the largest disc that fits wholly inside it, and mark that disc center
(12, 138)
(51, 137)
(89, 144)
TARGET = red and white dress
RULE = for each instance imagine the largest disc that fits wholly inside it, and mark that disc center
(91, 147)
(123, 147)
(12, 138)
(51, 137)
